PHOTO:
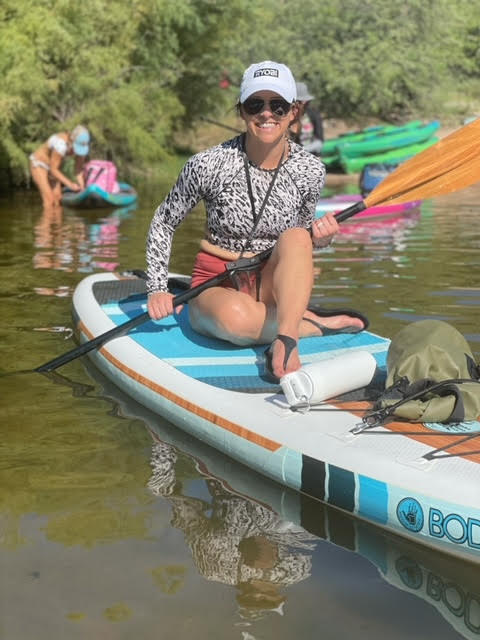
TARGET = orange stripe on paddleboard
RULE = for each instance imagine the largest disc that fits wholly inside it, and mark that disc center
(266, 443)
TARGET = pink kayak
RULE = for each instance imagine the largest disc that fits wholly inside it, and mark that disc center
(340, 202)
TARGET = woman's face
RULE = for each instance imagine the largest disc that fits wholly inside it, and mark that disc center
(272, 120)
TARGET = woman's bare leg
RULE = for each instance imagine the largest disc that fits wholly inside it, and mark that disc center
(287, 282)
(233, 316)
(40, 177)
(57, 192)
(286, 286)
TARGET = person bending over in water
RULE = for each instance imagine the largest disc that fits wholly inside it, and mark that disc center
(46, 163)
(260, 190)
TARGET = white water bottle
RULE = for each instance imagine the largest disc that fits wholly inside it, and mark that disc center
(328, 378)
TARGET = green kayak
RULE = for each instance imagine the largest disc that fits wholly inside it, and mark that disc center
(353, 165)
(330, 146)
(388, 142)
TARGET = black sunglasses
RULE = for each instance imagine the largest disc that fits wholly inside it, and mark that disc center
(277, 106)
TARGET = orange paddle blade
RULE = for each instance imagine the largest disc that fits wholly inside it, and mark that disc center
(451, 164)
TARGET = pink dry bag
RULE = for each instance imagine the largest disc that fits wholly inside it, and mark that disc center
(102, 173)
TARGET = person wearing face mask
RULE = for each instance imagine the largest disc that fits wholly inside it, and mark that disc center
(260, 191)
(46, 164)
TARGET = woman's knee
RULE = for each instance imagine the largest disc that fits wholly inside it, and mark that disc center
(236, 321)
(297, 236)
(48, 199)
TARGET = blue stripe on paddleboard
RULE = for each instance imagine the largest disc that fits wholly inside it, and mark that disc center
(172, 341)
(341, 488)
(373, 499)
(222, 364)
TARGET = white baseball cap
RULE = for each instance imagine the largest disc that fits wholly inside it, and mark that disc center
(268, 76)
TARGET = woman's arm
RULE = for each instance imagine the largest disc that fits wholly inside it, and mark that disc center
(79, 164)
(183, 197)
(56, 160)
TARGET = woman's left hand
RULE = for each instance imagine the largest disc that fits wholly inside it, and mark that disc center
(324, 229)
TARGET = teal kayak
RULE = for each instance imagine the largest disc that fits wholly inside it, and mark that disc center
(94, 197)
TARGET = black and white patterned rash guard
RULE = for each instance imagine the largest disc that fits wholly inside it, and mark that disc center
(217, 176)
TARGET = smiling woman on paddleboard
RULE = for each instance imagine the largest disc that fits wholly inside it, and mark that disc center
(260, 191)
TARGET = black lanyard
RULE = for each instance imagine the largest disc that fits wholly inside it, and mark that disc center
(256, 218)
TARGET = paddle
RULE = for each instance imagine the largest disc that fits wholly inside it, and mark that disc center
(450, 165)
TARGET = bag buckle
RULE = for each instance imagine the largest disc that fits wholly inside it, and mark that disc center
(370, 421)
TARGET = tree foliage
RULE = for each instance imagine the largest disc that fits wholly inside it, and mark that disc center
(135, 72)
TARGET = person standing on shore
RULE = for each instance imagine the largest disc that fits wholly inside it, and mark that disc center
(46, 164)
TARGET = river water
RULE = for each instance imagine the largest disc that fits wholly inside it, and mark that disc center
(110, 529)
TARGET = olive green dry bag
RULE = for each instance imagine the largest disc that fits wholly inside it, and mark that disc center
(431, 375)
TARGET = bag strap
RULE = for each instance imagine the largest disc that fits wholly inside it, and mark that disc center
(416, 391)
(99, 173)
(257, 218)
(473, 367)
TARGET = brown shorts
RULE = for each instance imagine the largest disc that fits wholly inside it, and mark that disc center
(207, 266)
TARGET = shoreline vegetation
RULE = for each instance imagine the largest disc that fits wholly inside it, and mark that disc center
(142, 80)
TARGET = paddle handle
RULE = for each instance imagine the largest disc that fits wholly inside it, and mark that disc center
(341, 216)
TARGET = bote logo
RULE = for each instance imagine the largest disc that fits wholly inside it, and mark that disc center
(410, 514)
(272, 73)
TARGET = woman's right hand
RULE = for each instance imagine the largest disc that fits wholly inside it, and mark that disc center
(75, 187)
(160, 305)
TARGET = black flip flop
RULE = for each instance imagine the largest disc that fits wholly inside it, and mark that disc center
(289, 344)
(322, 312)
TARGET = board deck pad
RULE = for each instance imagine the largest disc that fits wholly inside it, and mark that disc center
(216, 362)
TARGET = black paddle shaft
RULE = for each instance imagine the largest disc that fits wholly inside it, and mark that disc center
(181, 298)
(341, 216)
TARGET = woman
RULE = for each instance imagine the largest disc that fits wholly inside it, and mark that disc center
(258, 176)
(46, 162)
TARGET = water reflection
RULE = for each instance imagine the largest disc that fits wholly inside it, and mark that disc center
(392, 231)
(66, 240)
(234, 540)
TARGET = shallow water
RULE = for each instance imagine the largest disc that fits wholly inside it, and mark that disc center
(109, 529)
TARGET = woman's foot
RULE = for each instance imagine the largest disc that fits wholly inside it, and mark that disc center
(280, 357)
(331, 321)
